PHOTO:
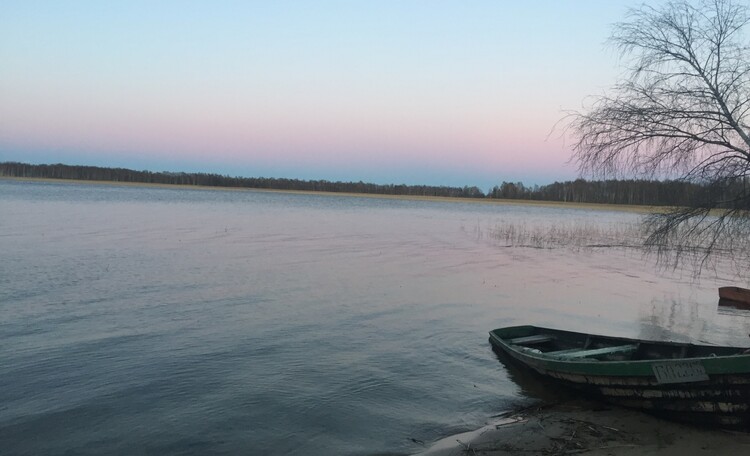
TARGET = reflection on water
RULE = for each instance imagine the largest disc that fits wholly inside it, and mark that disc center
(726, 303)
(173, 321)
(673, 320)
(694, 322)
(531, 385)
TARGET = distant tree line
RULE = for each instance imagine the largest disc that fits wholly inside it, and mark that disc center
(95, 173)
(635, 192)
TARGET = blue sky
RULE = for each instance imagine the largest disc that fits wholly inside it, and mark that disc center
(416, 92)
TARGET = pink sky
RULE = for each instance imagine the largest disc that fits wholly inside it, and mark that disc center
(422, 93)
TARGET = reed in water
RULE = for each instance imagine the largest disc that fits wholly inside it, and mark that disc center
(731, 249)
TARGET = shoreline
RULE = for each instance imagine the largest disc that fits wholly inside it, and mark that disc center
(590, 428)
(446, 199)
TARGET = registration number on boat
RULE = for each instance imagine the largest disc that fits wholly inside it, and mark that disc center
(678, 372)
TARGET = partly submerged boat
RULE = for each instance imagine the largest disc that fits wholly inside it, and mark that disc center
(735, 295)
(695, 383)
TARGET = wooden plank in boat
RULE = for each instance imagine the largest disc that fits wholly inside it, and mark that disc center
(595, 352)
(530, 340)
(564, 352)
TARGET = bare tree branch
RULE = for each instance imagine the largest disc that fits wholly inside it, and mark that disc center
(682, 110)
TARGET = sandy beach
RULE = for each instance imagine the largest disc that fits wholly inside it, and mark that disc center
(590, 428)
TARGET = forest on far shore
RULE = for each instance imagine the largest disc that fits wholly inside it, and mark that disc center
(635, 192)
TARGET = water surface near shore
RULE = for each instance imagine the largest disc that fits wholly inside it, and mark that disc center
(173, 321)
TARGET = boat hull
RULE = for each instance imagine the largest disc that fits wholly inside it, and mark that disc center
(717, 395)
(735, 295)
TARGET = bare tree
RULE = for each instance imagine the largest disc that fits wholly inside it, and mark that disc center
(681, 110)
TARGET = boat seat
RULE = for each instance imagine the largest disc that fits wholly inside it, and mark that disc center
(563, 352)
(531, 340)
(580, 353)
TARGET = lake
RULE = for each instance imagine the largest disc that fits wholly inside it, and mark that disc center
(165, 321)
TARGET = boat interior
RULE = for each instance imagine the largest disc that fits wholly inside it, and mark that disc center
(570, 346)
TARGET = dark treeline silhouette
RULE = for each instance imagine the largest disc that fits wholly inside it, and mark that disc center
(631, 191)
(95, 173)
(636, 192)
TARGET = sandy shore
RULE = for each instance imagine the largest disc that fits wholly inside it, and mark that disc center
(590, 428)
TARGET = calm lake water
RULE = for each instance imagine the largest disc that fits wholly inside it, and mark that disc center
(172, 321)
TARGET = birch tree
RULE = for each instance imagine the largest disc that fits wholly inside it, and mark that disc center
(681, 110)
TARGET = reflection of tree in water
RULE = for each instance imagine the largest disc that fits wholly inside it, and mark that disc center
(673, 320)
(690, 321)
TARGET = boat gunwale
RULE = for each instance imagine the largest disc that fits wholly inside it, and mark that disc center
(714, 365)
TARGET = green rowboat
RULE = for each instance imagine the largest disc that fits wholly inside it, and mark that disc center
(702, 384)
